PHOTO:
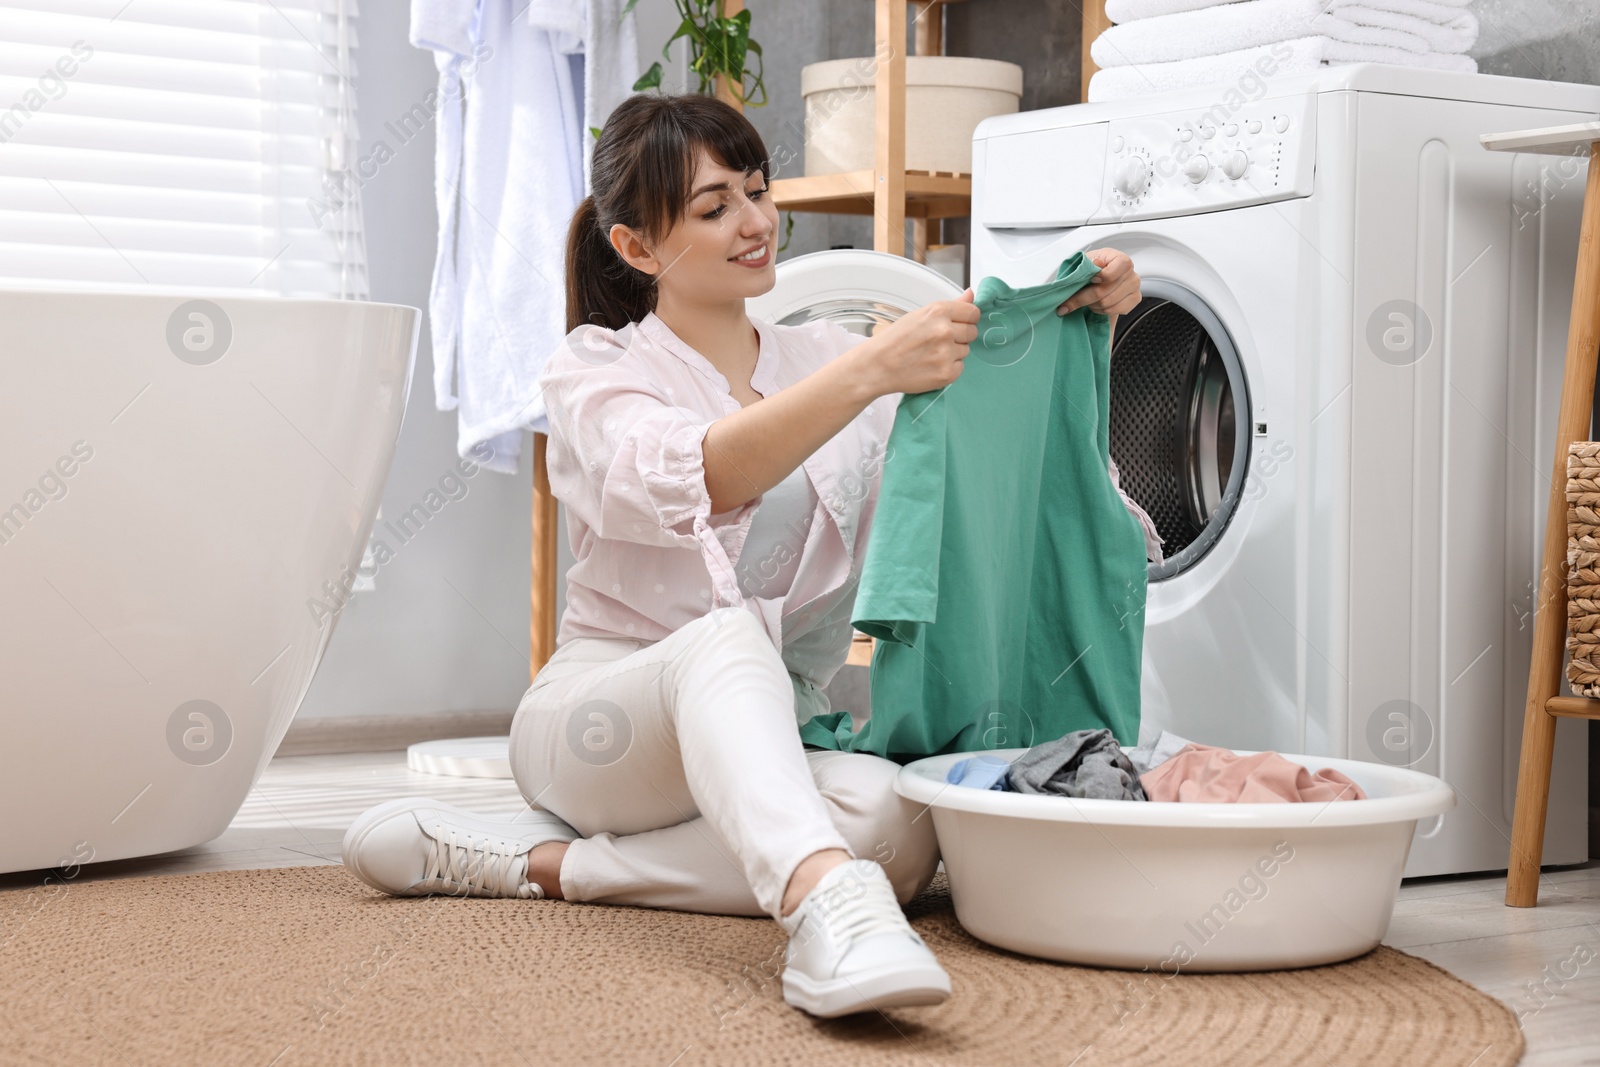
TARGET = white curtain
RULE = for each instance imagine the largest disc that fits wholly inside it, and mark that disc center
(181, 146)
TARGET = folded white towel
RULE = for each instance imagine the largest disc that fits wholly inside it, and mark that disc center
(1344, 52)
(1456, 34)
(1440, 11)
(1230, 27)
(1230, 68)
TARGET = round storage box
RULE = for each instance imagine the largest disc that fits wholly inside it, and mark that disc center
(1176, 886)
(946, 98)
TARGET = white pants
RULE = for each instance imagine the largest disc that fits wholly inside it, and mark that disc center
(680, 763)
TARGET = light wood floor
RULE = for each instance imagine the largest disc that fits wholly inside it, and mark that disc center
(1543, 962)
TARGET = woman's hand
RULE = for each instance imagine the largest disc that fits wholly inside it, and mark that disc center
(1114, 291)
(753, 449)
(923, 349)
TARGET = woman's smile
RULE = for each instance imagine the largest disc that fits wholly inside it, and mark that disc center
(756, 258)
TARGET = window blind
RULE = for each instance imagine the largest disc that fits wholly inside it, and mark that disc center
(180, 146)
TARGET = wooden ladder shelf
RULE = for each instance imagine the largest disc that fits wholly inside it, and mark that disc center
(1545, 704)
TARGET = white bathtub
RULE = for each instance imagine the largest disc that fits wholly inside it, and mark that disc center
(1177, 887)
(179, 480)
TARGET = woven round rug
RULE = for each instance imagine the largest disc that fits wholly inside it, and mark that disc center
(309, 966)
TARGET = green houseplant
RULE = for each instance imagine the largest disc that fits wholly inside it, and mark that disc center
(718, 44)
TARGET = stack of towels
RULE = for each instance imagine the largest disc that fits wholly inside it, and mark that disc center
(1160, 46)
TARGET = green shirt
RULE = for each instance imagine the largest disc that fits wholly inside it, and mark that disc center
(1004, 576)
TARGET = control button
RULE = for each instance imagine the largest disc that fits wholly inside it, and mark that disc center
(1197, 169)
(1116, 144)
(1236, 164)
(1253, 126)
(1280, 122)
(1231, 130)
(1208, 132)
(1185, 135)
(1130, 177)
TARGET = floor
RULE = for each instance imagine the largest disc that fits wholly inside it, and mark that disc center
(1543, 962)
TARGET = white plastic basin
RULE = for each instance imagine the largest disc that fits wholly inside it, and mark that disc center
(1170, 886)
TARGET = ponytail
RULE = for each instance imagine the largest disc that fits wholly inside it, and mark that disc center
(603, 289)
(641, 171)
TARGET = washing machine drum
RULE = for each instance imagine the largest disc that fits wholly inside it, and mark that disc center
(855, 287)
(1180, 421)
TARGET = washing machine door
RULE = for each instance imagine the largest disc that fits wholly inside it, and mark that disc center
(1180, 420)
(854, 287)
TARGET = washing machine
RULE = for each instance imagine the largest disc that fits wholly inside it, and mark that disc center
(1336, 400)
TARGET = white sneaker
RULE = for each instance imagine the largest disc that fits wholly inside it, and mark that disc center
(415, 846)
(851, 948)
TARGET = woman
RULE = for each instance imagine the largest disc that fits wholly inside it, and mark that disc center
(719, 474)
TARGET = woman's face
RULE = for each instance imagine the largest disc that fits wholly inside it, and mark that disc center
(729, 213)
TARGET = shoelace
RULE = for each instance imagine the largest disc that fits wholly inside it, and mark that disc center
(852, 918)
(468, 864)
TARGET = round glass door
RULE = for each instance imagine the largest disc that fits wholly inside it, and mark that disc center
(855, 287)
(1180, 421)
(855, 315)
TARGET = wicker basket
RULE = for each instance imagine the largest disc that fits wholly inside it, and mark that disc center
(1583, 567)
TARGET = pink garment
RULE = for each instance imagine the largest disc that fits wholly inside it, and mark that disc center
(628, 413)
(1205, 773)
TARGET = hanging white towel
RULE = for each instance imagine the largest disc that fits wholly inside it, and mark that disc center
(1440, 11)
(1226, 69)
(509, 171)
(443, 25)
(1230, 27)
(609, 44)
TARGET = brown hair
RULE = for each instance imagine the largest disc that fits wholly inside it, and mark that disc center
(642, 168)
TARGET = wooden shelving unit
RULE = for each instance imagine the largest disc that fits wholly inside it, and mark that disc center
(889, 193)
(1545, 702)
(936, 195)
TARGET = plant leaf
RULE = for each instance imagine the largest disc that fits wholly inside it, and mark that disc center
(649, 79)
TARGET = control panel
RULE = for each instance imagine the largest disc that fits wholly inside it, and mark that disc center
(1175, 164)
(1152, 166)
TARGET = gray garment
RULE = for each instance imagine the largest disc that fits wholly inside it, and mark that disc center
(1153, 753)
(1087, 764)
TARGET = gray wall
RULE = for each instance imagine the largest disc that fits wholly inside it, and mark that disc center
(1557, 40)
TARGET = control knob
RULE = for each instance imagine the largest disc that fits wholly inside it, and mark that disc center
(1131, 175)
